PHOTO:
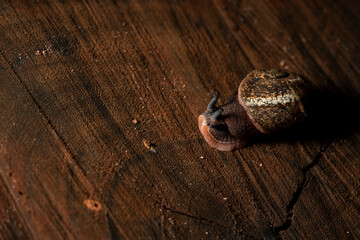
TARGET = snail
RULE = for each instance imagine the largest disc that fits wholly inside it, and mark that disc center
(266, 101)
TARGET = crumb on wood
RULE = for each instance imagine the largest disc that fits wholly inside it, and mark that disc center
(303, 39)
(282, 63)
(149, 145)
(135, 121)
(92, 204)
(43, 52)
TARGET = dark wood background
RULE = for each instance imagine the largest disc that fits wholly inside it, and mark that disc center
(74, 75)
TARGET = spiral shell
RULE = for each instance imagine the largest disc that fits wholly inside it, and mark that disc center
(273, 98)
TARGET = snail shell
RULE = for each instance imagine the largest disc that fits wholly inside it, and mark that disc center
(266, 101)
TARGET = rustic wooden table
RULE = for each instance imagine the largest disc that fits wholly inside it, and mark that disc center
(84, 83)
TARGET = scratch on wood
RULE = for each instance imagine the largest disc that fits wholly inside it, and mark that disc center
(200, 219)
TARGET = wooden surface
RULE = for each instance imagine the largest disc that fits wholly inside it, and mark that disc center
(75, 74)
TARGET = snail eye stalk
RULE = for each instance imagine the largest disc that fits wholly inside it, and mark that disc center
(212, 104)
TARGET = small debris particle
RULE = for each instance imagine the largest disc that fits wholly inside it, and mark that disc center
(149, 145)
(260, 164)
(207, 233)
(303, 39)
(282, 63)
(225, 198)
(201, 157)
(92, 204)
(43, 52)
(135, 121)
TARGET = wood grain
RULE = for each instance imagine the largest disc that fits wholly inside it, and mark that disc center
(75, 74)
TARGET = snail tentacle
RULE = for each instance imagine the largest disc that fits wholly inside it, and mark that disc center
(213, 101)
(216, 114)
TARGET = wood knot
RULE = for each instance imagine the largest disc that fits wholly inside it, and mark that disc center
(92, 204)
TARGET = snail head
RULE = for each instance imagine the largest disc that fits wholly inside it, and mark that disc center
(225, 127)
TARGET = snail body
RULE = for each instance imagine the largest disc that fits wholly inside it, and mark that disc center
(266, 101)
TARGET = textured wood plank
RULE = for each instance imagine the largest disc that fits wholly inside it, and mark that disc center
(317, 39)
(46, 185)
(76, 74)
(12, 225)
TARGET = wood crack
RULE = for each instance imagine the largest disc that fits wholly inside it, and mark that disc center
(296, 196)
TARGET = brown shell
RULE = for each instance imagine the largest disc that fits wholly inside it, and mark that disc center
(272, 98)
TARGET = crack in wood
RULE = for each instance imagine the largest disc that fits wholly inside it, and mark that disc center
(296, 196)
